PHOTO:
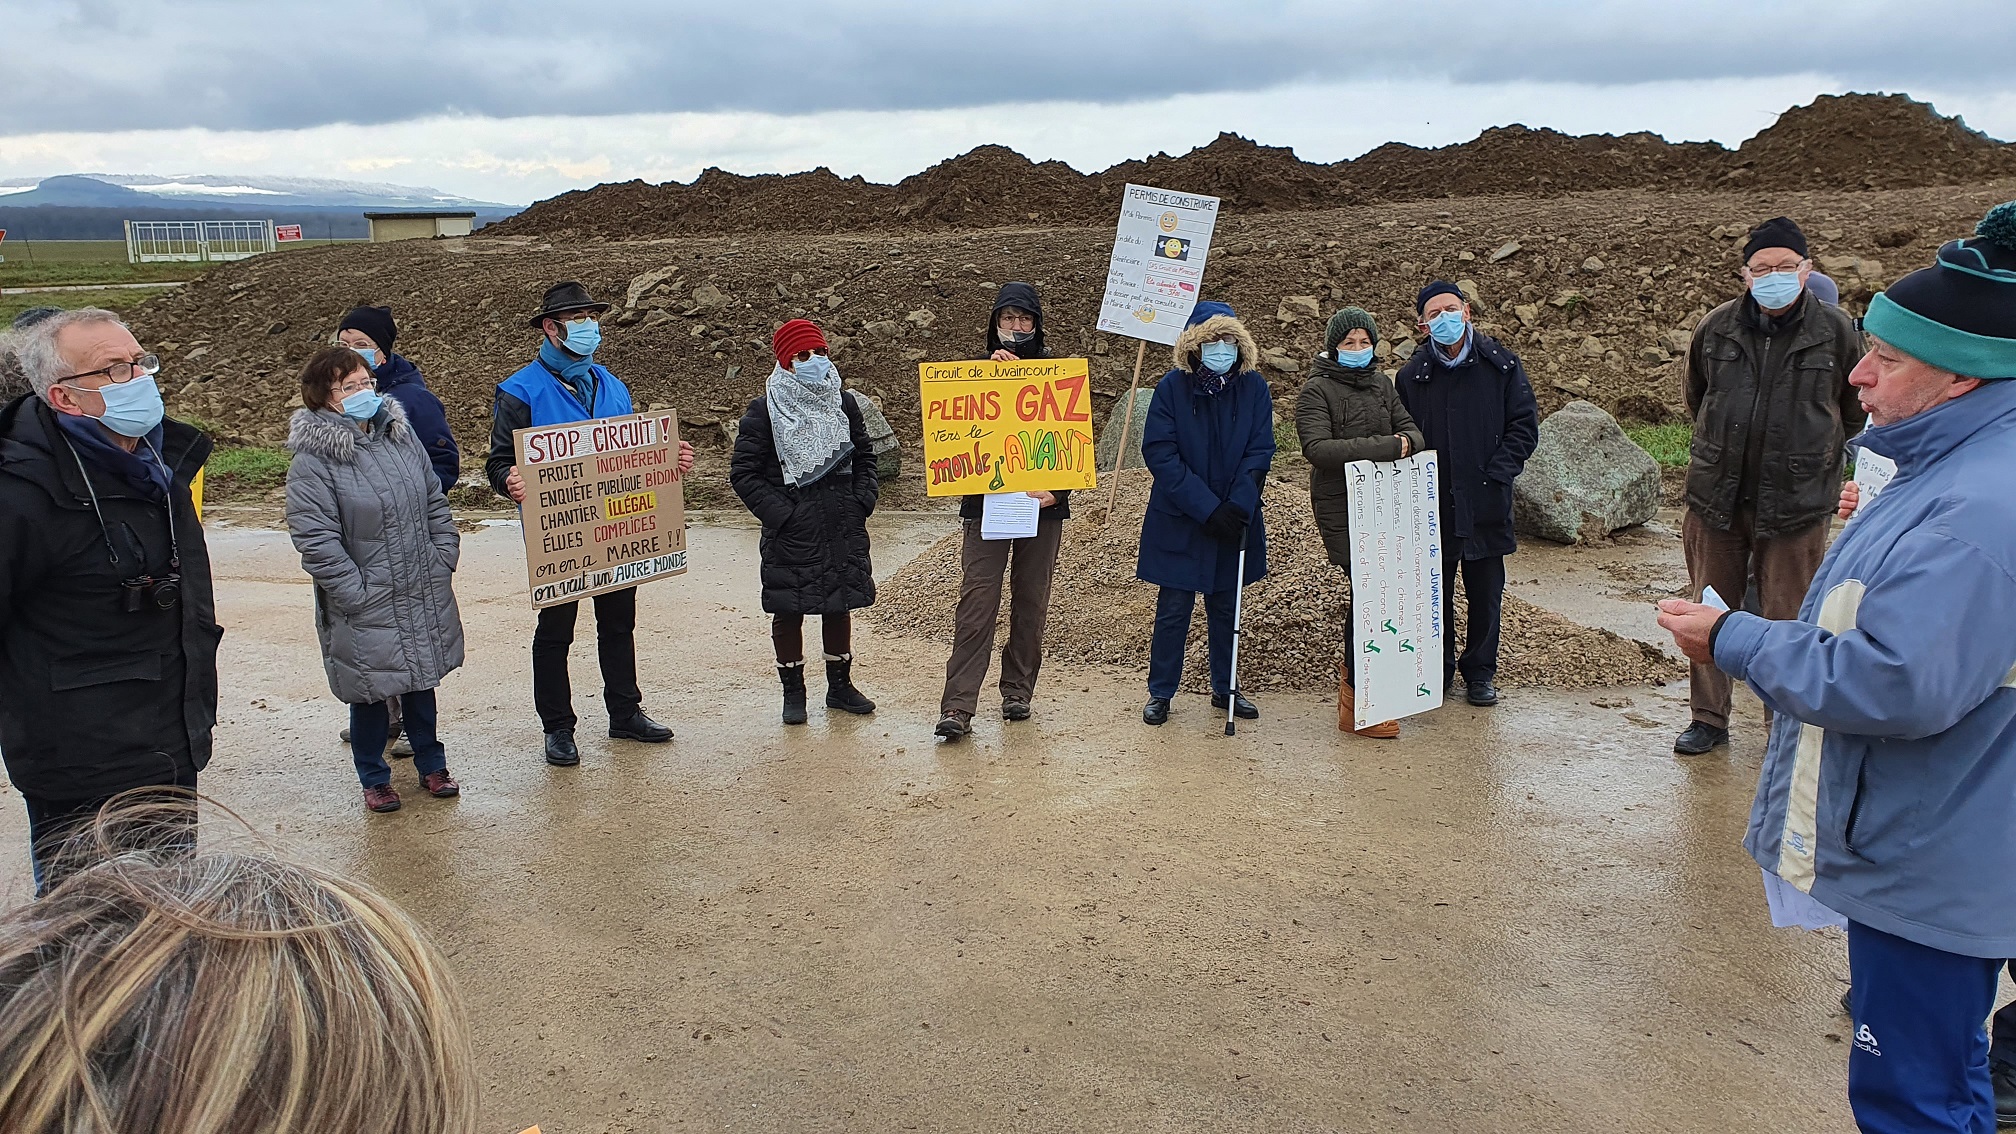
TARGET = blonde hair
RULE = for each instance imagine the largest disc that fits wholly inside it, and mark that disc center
(225, 993)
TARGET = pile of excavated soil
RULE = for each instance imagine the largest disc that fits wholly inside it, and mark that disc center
(1598, 298)
(1837, 142)
(1292, 629)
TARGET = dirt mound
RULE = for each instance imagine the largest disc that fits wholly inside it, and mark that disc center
(1869, 142)
(1839, 142)
(1292, 633)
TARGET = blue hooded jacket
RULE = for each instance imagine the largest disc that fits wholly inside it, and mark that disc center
(1889, 788)
(400, 380)
(1204, 450)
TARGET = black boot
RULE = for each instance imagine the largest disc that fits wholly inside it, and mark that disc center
(792, 674)
(840, 691)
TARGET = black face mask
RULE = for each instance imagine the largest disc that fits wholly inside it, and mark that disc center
(1015, 338)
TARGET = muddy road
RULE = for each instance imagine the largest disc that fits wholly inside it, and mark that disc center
(1527, 918)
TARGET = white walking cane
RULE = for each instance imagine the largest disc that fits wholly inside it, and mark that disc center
(1238, 607)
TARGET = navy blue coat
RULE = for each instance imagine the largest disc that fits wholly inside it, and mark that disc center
(400, 380)
(1203, 452)
(1482, 422)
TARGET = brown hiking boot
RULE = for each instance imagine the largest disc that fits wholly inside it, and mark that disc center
(441, 785)
(381, 798)
(1347, 715)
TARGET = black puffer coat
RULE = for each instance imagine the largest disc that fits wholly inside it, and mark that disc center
(815, 537)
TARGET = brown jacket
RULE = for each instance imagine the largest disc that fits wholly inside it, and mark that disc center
(1772, 407)
(1343, 416)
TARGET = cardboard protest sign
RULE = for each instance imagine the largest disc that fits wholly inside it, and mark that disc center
(1396, 587)
(1007, 426)
(604, 505)
(1157, 267)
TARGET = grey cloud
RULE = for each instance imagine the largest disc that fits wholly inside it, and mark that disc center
(227, 64)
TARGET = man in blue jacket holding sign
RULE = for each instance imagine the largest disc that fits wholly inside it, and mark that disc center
(1887, 793)
(564, 385)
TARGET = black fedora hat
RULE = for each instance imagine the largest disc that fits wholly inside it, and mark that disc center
(567, 295)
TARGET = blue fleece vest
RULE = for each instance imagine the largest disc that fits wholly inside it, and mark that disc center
(552, 403)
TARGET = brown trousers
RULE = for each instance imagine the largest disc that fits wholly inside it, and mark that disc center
(985, 561)
(1784, 566)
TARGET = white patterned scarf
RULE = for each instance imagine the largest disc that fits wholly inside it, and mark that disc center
(808, 425)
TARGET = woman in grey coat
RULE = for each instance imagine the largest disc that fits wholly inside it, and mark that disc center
(376, 535)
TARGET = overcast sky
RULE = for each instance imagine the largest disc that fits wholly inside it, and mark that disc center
(514, 100)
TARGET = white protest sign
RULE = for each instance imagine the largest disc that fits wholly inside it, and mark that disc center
(1158, 263)
(1396, 587)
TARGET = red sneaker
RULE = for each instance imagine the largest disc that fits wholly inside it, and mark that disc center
(441, 785)
(381, 798)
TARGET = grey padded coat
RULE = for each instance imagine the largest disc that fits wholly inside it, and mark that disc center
(376, 535)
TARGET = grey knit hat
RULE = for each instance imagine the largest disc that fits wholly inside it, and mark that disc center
(1348, 320)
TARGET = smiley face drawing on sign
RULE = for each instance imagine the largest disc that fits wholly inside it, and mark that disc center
(1168, 222)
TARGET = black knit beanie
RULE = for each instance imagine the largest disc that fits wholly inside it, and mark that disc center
(1778, 232)
(1959, 314)
(1346, 321)
(373, 321)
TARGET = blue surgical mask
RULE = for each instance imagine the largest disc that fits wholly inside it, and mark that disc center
(1776, 290)
(1354, 359)
(368, 354)
(132, 408)
(363, 405)
(1219, 358)
(584, 337)
(814, 371)
(1447, 328)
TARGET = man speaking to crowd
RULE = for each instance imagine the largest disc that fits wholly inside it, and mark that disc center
(1887, 791)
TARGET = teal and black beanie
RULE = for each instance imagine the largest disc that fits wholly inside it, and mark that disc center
(1959, 314)
(1346, 321)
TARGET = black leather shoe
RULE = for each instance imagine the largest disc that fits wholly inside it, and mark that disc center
(2003, 1076)
(1482, 694)
(639, 728)
(1157, 711)
(560, 750)
(1242, 708)
(1700, 738)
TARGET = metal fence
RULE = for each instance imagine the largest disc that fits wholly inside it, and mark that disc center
(154, 242)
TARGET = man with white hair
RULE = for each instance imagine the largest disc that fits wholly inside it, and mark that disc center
(1885, 800)
(108, 631)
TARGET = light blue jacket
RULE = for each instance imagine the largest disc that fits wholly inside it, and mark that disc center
(1889, 788)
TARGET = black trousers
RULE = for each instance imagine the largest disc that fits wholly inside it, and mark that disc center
(53, 822)
(615, 646)
(1484, 587)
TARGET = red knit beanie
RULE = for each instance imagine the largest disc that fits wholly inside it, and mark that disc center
(792, 337)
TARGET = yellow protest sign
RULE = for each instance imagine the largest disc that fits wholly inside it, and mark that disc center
(1007, 426)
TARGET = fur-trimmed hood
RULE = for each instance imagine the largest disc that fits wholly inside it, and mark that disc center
(333, 437)
(1193, 338)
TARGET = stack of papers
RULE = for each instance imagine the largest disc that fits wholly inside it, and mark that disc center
(1009, 515)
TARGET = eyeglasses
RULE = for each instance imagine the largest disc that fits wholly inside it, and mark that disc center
(1017, 322)
(119, 372)
(804, 355)
(1774, 269)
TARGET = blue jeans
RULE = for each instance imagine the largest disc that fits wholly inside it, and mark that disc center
(371, 725)
(1172, 631)
(1919, 1055)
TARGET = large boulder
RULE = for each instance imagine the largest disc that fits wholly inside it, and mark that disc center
(1108, 445)
(1585, 480)
(882, 440)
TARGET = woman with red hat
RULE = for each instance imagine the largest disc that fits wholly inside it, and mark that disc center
(802, 464)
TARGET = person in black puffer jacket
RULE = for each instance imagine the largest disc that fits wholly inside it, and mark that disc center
(802, 464)
(1014, 333)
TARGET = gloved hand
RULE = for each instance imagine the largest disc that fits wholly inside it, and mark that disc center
(1226, 523)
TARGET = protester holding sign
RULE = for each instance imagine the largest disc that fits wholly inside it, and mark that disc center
(802, 465)
(375, 533)
(1470, 397)
(1014, 334)
(565, 385)
(1348, 411)
(1208, 442)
